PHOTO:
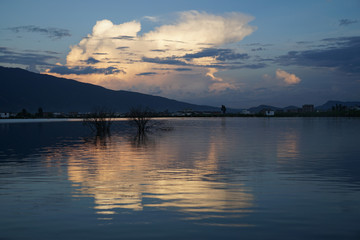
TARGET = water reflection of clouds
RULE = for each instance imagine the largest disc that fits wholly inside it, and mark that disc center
(124, 175)
(288, 146)
(191, 193)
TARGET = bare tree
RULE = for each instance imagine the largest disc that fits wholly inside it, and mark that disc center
(141, 117)
(99, 121)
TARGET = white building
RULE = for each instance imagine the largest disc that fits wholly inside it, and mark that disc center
(269, 113)
(4, 115)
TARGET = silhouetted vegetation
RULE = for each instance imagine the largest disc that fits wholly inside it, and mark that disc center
(338, 108)
(99, 121)
(140, 117)
(40, 113)
(100, 142)
(140, 140)
(24, 114)
(223, 109)
(344, 113)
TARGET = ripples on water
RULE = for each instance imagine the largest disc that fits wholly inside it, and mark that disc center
(213, 178)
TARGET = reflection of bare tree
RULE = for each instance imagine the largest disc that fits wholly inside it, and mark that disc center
(141, 140)
(99, 121)
(99, 141)
(141, 117)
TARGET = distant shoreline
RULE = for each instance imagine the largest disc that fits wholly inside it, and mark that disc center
(79, 119)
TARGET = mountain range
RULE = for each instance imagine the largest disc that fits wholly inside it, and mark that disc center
(324, 107)
(21, 89)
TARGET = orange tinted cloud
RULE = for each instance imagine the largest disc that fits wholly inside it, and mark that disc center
(161, 52)
(288, 78)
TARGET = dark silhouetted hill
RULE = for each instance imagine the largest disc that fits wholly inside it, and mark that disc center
(23, 89)
(262, 107)
(325, 107)
(329, 104)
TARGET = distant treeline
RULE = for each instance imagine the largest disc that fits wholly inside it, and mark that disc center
(334, 112)
(346, 113)
(349, 113)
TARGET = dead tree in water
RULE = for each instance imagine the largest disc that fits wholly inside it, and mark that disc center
(99, 121)
(141, 117)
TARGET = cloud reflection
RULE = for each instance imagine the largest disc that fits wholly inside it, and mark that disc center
(161, 174)
(288, 146)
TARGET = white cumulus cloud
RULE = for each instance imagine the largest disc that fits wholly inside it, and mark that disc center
(161, 52)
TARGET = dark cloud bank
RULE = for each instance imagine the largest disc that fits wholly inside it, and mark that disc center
(63, 70)
(7, 55)
(54, 33)
(146, 74)
(341, 53)
(345, 22)
(218, 54)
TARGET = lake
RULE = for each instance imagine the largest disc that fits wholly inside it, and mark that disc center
(192, 178)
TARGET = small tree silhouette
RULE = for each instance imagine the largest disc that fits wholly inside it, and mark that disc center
(223, 109)
(24, 114)
(40, 113)
(141, 117)
(99, 121)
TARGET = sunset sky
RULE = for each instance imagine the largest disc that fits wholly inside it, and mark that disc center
(237, 53)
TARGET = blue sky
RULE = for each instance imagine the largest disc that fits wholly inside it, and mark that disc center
(237, 53)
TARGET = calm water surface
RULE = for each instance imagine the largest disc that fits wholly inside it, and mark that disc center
(208, 178)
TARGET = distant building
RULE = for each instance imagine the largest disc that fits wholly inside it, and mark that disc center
(183, 113)
(267, 112)
(58, 114)
(4, 115)
(355, 108)
(293, 110)
(73, 114)
(308, 108)
(48, 114)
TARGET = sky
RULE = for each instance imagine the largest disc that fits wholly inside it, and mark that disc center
(237, 53)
